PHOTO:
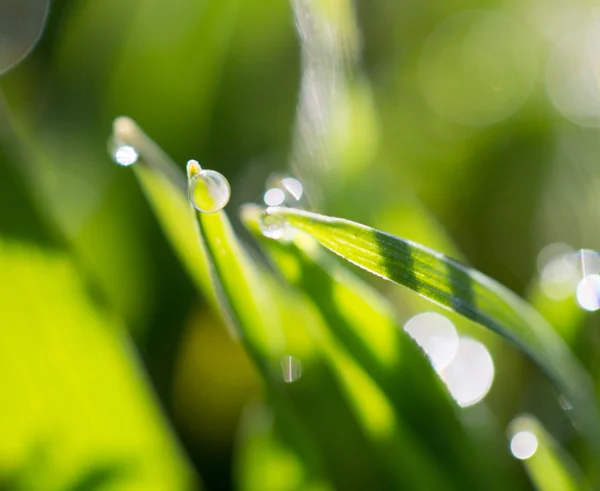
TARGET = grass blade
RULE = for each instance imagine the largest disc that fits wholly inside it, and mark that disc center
(319, 396)
(548, 466)
(165, 188)
(361, 320)
(317, 406)
(74, 403)
(459, 288)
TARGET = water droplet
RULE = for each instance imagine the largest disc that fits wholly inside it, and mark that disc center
(291, 368)
(209, 191)
(274, 197)
(470, 375)
(125, 155)
(523, 445)
(274, 226)
(436, 335)
(565, 403)
(588, 293)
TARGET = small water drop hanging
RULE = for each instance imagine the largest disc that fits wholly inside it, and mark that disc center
(274, 226)
(209, 191)
(291, 368)
(122, 154)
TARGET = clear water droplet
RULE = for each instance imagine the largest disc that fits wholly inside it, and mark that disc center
(291, 368)
(274, 226)
(565, 403)
(209, 191)
(125, 155)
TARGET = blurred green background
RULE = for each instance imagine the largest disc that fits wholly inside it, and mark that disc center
(470, 126)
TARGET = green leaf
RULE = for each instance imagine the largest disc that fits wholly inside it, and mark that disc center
(459, 288)
(322, 397)
(322, 424)
(165, 188)
(74, 406)
(548, 466)
(264, 460)
(360, 319)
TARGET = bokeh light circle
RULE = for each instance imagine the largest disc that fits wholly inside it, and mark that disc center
(477, 67)
(573, 73)
(436, 335)
(470, 375)
(523, 445)
(21, 25)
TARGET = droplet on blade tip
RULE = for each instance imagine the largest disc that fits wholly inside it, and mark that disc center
(125, 155)
(274, 226)
(208, 190)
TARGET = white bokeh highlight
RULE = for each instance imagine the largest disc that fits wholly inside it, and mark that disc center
(126, 155)
(573, 65)
(293, 186)
(470, 375)
(274, 197)
(523, 445)
(436, 335)
(588, 293)
(559, 271)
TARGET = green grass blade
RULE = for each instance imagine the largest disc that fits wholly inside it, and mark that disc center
(319, 396)
(317, 406)
(459, 288)
(165, 187)
(361, 320)
(548, 466)
(264, 460)
(74, 402)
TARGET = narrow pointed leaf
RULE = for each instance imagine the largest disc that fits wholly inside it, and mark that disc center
(361, 320)
(549, 467)
(459, 288)
(318, 408)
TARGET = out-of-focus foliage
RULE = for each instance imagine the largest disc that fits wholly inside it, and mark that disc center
(467, 126)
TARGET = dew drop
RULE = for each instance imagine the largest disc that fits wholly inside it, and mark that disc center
(291, 368)
(209, 191)
(125, 155)
(274, 226)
